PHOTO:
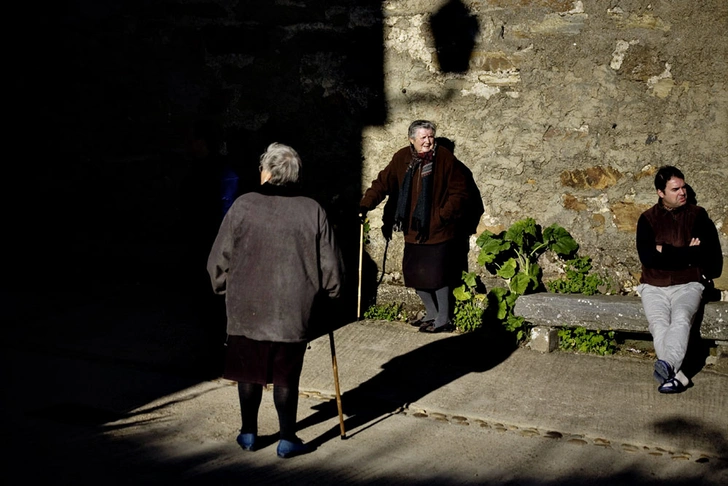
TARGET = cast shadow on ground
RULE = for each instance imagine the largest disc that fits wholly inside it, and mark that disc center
(679, 427)
(411, 376)
(78, 414)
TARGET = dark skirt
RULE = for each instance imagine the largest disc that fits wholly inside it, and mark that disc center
(430, 267)
(263, 362)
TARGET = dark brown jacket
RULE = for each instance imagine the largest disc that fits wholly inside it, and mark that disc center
(449, 192)
(678, 263)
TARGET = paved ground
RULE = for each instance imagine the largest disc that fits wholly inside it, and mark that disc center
(110, 391)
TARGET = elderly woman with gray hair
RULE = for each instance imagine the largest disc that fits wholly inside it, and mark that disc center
(274, 253)
(430, 190)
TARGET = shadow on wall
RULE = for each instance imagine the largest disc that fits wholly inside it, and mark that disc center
(95, 214)
(130, 77)
(455, 30)
(102, 221)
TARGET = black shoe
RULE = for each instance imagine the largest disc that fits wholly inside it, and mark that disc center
(421, 322)
(431, 328)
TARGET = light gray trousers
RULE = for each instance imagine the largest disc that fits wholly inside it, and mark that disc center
(670, 312)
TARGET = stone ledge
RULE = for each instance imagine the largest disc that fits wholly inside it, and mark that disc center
(608, 312)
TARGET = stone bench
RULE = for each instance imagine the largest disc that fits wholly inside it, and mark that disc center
(549, 311)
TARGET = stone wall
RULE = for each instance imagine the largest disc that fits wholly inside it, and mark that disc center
(566, 109)
(561, 109)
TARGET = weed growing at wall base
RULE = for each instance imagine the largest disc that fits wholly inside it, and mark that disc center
(578, 280)
(585, 341)
(468, 313)
(385, 312)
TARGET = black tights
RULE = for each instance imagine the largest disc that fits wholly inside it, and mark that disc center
(285, 400)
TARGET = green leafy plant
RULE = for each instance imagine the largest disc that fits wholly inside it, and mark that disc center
(386, 312)
(585, 341)
(513, 255)
(577, 279)
(468, 313)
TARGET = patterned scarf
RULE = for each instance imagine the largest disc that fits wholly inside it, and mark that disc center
(421, 214)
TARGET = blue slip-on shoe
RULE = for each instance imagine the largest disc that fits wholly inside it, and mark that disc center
(663, 371)
(291, 448)
(246, 441)
(672, 385)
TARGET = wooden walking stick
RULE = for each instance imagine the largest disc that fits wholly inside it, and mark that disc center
(336, 385)
(361, 256)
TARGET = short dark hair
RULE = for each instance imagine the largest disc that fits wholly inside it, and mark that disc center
(664, 174)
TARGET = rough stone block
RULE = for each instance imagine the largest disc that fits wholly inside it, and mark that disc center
(719, 357)
(609, 312)
(544, 339)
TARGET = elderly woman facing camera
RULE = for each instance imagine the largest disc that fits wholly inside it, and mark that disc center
(430, 189)
(274, 253)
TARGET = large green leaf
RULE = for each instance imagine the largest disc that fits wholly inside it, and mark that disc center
(461, 294)
(485, 258)
(519, 284)
(484, 236)
(534, 270)
(559, 240)
(469, 279)
(490, 246)
(497, 302)
(494, 245)
(498, 292)
(502, 310)
(513, 323)
(511, 299)
(520, 231)
(508, 269)
(534, 273)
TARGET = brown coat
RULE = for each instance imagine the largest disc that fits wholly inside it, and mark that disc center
(274, 254)
(678, 262)
(449, 192)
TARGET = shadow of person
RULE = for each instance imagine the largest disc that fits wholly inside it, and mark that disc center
(468, 223)
(698, 348)
(455, 30)
(680, 427)
(692, 196)
(411, 376)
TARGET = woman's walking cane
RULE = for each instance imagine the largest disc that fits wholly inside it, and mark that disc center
(336, 385)
(361, 256)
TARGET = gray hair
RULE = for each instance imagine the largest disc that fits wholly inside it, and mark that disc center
(283, 164)
(417, 124)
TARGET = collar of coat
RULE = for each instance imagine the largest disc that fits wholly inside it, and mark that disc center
(676, 210)
(268, 189)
